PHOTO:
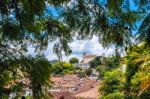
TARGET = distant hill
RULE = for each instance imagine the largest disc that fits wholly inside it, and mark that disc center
(53, 61)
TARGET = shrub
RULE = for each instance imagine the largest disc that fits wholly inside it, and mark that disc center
(112, 82)
(116, 95)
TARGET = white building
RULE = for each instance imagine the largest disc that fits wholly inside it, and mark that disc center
(85, 62)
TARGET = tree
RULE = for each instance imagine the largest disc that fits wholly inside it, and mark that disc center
(57, 68)
(111, 62)
(105, 64)
(25, 22)
(111, 83)
(144, 29)
(110, 21)
(74, 60)
(115, 95)
(67, 65)
(137, 77)
(37, 70)
(61, 68)
(101, 70)
(79, 71)
(95, 62)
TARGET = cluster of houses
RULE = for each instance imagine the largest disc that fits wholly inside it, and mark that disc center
(68, 86)
(74, 87)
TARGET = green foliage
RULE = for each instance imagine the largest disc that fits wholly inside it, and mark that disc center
(37, 70)
(105, 64)
(137, 72)
(74, 60)
(22, 23)
(101, 69)
(4, 78)
(112, 82)
(67, 65)
(109, 20)
(61, 68)
(95, 62)
(113, 5)
(57, 68)
(14, 33)
(136, 81)
(140, 82)
(88, 72)
(112, 62)
(58, 2)
(115, 95)
(40, 70)
(144, 30)
(79, 71)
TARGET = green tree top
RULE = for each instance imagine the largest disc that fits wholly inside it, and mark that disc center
(95, 62)
(74, 60)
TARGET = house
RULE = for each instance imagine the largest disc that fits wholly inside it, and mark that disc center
(90, 94)
(74, 87)
(62, 95)
(85, 61)
(65, 83)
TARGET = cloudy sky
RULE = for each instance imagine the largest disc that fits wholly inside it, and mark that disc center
(79, 47)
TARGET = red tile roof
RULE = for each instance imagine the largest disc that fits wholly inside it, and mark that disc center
(62, 95)
(82, 85)
(90, 94)
(89, 56)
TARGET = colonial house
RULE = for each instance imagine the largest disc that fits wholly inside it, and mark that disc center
(74, 87)
(85, 61)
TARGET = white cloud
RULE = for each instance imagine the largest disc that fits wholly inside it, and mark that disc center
(78, 48)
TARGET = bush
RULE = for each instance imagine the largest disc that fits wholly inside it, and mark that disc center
(74, 60)
(62, 68)
(101, 69)
(112, 82)
(116, 95)
(95, 62)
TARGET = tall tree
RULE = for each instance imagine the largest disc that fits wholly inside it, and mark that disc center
(23, 23)
(110, 20)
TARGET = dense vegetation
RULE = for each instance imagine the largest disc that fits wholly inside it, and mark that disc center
(61, 68)
(26, 23)
(74, 60)
(134, 83)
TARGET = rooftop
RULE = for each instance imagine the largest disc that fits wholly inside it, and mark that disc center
(89, 56)
(90, 94)
(81, 86)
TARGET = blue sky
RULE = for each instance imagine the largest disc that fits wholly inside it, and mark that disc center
(79, 46)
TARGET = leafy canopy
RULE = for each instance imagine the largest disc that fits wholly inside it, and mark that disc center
(30, 22)
(74, 60)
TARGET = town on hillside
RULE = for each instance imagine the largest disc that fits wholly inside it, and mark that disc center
(74, 49)
(73, 80)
